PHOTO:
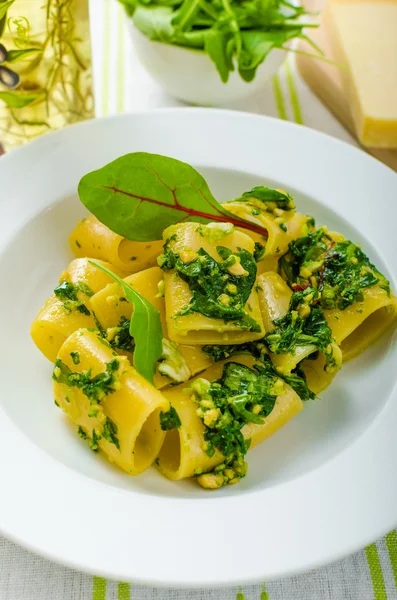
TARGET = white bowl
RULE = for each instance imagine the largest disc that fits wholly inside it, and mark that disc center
(323, 486)
(191, 76)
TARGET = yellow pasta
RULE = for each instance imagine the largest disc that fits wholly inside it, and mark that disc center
(195, 328)
(122, 416)
(293, 226)
(274, 297)
(58, 318)
(182, 454)
(362, 323)
(91, 238)
(110, 307)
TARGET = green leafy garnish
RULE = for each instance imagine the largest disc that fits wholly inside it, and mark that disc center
(267, 199)
(75, 358)
(340, 270)
(145, 328)
(119, 337)
(67, 292)
(296, 379)
(242, 395)
(216, 291)
(139, 195)
(304, 324)
(109, 432)
(231, 32)
(81, 433)
(95, 388)
(169, 420)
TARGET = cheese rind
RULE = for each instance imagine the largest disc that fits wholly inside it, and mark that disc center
(364, 39)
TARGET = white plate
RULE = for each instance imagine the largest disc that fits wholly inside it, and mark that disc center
(321, 488)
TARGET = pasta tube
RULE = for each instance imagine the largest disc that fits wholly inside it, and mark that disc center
(91, 238)
(112, 405)
(275, 297)
(183, 452)
(111, 308)
(282, 226)
(209, 276)
(70, 307)
(362, 323)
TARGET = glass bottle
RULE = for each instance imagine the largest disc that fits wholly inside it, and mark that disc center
(45, 67)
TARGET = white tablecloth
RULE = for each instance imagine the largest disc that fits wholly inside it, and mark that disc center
(121, 84)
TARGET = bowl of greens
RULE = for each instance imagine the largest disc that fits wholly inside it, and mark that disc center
(217, 52)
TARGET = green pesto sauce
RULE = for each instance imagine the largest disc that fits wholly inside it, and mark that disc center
(210, 283)
(169, 420)
(75, 358)
(304, 324)
(268, 198)
(242, 395)
(95, 388)
(110, 431)
(296, 379)
(122, 338)
(341, 269)
(67, 293)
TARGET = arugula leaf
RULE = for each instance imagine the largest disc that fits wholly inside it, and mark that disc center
(140, 194)
(145, 328)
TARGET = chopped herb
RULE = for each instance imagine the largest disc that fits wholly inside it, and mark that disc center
(95, 438)
(267, 199)
(110, 431)
(277, 250)
(56, 403)
(133, 257)
(67, 292)
(208, 281)
(242, 395)
(102, 331)
(169, 420)
(157, 461)
(81, 433)
(283, 227)
(95, 388)
(340, 270)
(75, 358)
(259, 251)
(78, 244)
(120, 337)
(122, 299)
(304, 324)
(296, 379)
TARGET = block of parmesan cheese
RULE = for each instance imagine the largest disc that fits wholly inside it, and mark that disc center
(364, 39)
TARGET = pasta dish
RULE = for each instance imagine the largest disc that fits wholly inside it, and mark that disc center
(185, 332)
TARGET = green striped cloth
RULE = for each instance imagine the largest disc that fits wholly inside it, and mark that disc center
(371, 574)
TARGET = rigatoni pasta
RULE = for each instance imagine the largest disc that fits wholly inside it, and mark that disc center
(92, 238)
(113, 406)
(209, 277)
(69, 308)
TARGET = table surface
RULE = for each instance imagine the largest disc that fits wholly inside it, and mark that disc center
(122, 85)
